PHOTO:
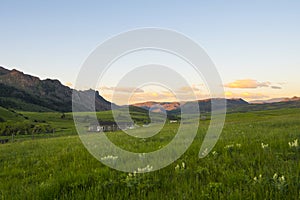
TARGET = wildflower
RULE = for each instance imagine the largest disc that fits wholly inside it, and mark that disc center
(229, 146)
(205, 152)
(281, 179)
(259, 179)
(275, 176)
(180, 167)
(294, 143)
(131, 180)
(263, 146)
(214, 153)
(142, 155)
(238, 145)
(183, 165)
(148, 168)
(109, 157)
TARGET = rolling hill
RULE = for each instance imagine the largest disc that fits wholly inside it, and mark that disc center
(10, 115)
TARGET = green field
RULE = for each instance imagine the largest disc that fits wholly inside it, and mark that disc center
(251, 160)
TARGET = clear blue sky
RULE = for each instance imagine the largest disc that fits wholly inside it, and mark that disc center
(253, 40)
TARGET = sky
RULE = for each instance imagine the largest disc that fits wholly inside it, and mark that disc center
(255, 45)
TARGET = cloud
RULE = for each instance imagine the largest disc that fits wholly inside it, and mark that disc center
(245, 95)
(168, 93)
(153, 96)
(184, 89)
(169, 96)
(123, 89)
(250, 84)
(193, 88)
(123, 98)
(247, 83)
(276, 87)
(129, 95)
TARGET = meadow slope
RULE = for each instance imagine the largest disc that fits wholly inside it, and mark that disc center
(252, 160)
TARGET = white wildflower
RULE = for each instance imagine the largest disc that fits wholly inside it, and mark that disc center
(263, 146)
(109, 157)
(275, 176)
(148, 168)
(142, 155)
(281, 179)
(183, 165)
(205, 152)
(229, 146)
(238, 145)
(294, 143)
(259, 179)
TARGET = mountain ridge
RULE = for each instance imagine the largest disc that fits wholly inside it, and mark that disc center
(276, 100)
(29, 93)
(204, 104)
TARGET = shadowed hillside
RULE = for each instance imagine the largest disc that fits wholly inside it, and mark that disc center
(25, 92)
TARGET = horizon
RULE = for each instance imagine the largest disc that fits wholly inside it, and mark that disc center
(255, 46)
(257, 101)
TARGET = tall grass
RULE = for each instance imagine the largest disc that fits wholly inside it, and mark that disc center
(239, 167)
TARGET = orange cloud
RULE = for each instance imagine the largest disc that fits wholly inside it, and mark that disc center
(159, 96)
(125, 98)
(130, 95)
(245, 95)
(247, 83)
(185, 89)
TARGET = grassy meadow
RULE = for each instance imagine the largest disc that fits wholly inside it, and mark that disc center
(256, 157)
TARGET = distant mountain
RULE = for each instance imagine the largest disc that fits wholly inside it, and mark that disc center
(25, 92)
(233, 105)
(291, 99)
(204, 105)
(168, 106)
(276, 100)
